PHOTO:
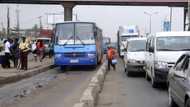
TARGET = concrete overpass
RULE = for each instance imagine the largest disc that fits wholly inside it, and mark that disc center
(104, 2)
(69, 4)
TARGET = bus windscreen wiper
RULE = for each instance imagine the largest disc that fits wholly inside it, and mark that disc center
(67, 40)
(80, 40)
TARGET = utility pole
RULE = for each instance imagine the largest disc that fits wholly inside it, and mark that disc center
(40, 21)
(8, 22)
(2, 26)
(150, 20)
(18, 20)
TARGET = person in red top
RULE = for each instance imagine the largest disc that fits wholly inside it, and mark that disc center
(40, 49)
(111, 54)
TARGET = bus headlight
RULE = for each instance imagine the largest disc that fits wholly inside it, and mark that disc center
(91, 55)
(57, 56)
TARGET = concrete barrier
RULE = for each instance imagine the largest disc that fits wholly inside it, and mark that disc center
(18, 77)
(80, 105)
(90, 95)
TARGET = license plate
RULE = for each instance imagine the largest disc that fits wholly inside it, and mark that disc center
(74, 61)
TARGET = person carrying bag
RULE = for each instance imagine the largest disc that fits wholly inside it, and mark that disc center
(111, 57)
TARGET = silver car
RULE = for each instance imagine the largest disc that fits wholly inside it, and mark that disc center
(179, 82)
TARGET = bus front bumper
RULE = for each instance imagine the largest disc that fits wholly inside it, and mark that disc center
(75, 61)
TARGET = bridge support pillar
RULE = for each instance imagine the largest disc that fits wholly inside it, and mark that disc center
(68, 10)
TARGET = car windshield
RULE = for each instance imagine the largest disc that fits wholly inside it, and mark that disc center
(177, 43)
(136, 45)
(46, 41)
(71, 33)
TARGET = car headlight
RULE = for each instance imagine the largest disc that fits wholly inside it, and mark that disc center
(161, 64)
(132, 61)
(141, 62)
(91, 55)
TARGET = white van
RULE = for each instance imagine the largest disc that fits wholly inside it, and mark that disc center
(163, 50)
(134, 58)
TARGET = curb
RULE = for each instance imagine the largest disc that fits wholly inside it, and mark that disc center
(90, 95)
(15, 78)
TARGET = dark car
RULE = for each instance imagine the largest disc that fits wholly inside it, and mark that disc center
(179, 82)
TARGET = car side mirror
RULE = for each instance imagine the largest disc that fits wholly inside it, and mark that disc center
(151, 49)
(125, 49)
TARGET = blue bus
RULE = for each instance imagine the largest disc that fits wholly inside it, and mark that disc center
(78, 43)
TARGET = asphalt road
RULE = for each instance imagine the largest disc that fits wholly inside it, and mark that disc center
(122, 91)
(49, 89)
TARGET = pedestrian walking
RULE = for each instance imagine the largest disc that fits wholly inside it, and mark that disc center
(111, 57)
(24, 49)
(40, 50)
(15, 52)
(7, 46)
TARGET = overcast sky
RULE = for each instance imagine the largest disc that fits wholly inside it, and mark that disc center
(109, 18)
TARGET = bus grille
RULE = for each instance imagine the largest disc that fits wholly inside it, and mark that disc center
(74, 54)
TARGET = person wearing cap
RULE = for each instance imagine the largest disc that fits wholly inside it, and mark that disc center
(24, 48)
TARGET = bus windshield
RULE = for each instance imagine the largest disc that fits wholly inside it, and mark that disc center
(64, 33)
(75, 33)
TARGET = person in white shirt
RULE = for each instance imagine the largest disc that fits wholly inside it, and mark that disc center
(7, 46)
(34, 50)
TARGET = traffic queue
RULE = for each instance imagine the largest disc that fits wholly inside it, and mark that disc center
(164, 58)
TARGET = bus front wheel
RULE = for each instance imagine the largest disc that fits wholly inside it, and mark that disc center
(63, 68)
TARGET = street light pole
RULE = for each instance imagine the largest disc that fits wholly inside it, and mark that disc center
(18, 20)
(150, 20)
(150, 24)
(8, 21)
(171, 18)
(76, 16)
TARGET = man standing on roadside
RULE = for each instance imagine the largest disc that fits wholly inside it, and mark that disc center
(15, 52)
(7, 53)
(24, 48)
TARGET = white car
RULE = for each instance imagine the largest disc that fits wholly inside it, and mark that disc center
(134, 58)
(163, 50)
